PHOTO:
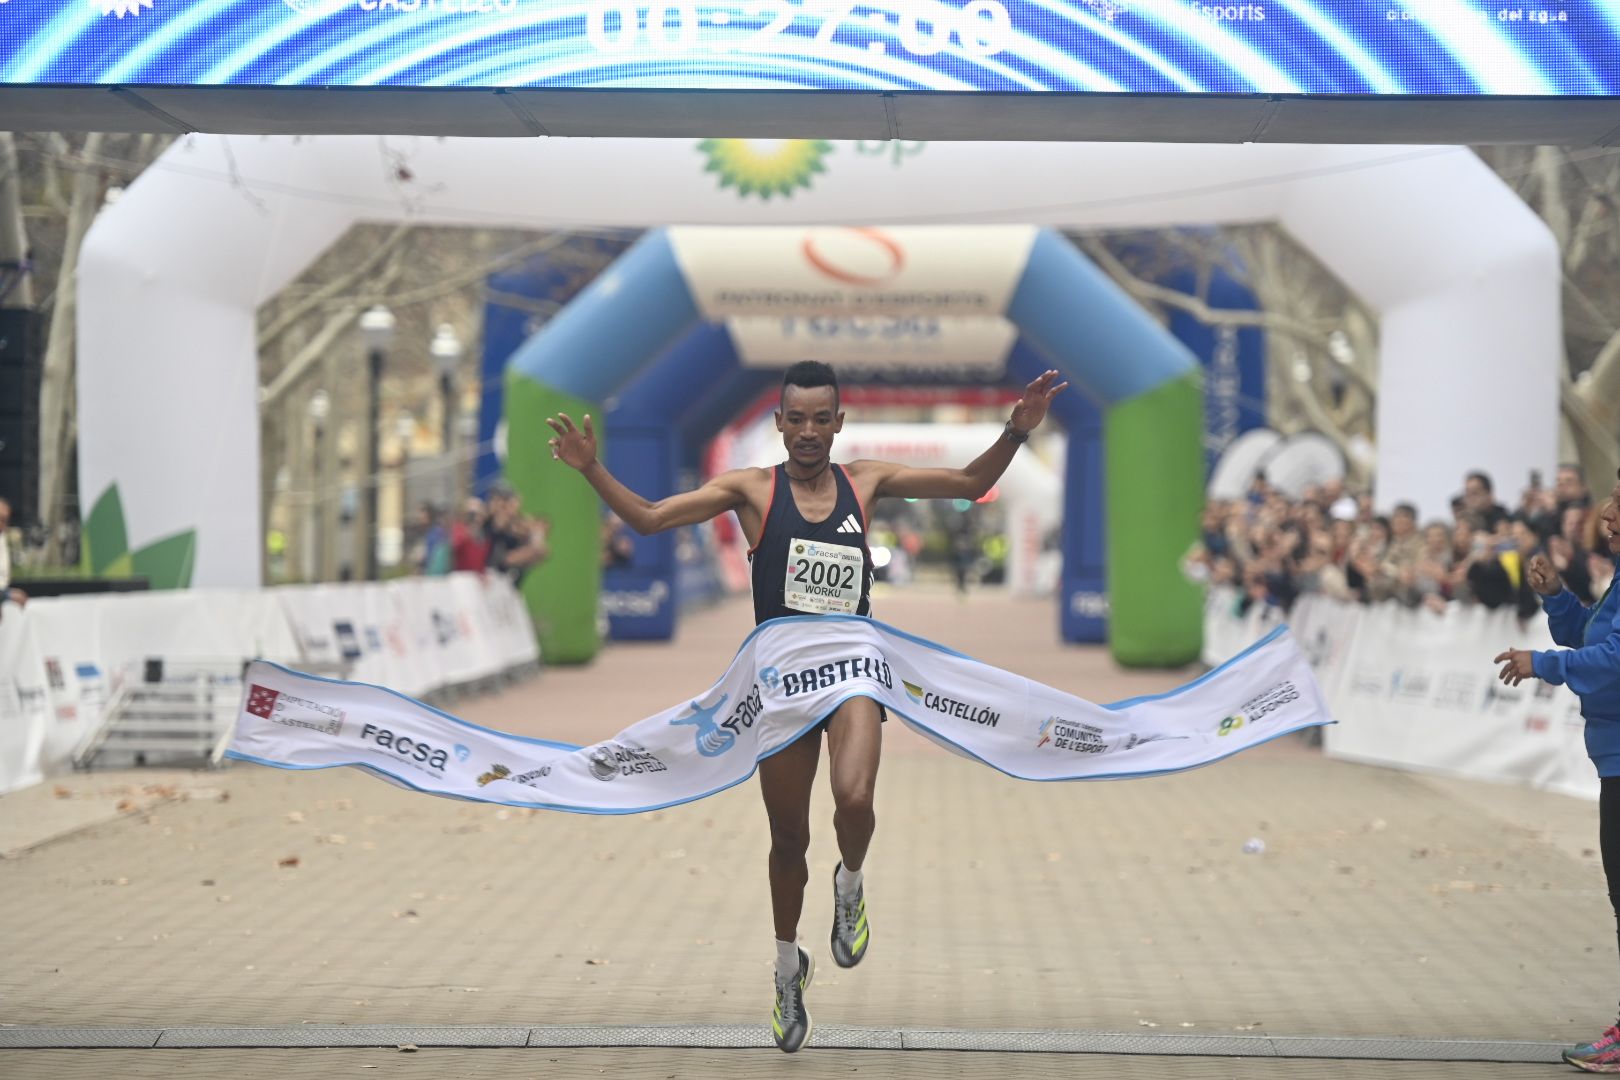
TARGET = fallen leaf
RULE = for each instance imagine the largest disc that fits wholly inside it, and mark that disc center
(289, 862)
(334, 838)
(125, 805)
(407, 1048)
(1146, 1023)
(294, 816)
(597, 963)
(408, 913)
(61, 792)
(1054, 856)
(208, 881)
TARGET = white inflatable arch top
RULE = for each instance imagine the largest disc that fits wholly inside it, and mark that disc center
(1463, 276)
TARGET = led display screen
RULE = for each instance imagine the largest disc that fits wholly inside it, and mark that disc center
(1395, 47)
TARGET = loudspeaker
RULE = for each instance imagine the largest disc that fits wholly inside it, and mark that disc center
(22, 365)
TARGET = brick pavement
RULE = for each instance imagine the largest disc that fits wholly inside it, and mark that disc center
(720, 1065)
(1385, 904)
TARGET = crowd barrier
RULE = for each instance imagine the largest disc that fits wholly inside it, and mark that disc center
(1416, 689)
(63, 660)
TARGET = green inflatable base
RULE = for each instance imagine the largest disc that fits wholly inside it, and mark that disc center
(561, 592)
(1154, 458)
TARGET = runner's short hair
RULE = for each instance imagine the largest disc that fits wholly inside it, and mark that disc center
(809, 374)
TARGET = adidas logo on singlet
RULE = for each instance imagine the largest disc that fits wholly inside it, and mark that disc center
(849, 525)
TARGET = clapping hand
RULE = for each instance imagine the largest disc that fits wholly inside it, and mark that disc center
(1543, 578)
(1516, 666)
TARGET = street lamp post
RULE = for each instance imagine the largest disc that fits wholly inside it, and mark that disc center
(404, 429)
(320, 406)
(446, 350)
(377, 328)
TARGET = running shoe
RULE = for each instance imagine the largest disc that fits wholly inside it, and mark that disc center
(1601, 1055)
(850, 933)
(790, 1022)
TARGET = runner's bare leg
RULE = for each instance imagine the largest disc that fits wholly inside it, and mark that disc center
(854, 745)
(785, 779)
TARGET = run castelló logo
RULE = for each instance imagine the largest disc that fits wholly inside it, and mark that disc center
(856, 255)
(120, 8)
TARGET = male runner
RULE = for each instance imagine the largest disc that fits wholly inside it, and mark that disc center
(807, 498)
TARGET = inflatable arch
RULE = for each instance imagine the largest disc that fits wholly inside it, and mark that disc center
(1463, 276)
(1072, 315)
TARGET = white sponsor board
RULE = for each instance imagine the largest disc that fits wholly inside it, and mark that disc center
(63, 660)
(970, 349)
(1415, 689)
(837, 270)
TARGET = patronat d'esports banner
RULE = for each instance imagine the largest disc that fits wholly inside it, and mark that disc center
(1509, 47)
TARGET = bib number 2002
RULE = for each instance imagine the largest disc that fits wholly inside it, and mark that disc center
(823, 578)
(816, 572)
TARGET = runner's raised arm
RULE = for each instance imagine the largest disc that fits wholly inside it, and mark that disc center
(577, 448)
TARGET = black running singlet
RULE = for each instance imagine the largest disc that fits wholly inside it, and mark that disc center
(811, 568)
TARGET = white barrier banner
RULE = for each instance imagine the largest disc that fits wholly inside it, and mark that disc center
(62, 659)
(25, 710)
(789, 675)
(1417, 689)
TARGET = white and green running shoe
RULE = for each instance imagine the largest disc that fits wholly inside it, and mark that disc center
(790, 1022)
(850, 932)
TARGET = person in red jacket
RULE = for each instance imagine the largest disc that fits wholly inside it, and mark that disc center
(469, 538)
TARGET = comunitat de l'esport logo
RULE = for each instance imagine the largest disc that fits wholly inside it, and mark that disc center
(827, 676)
(1266, 702)
(962, 710)
(1079, 737)
(413, 752)
(612, 760)
(715, 738)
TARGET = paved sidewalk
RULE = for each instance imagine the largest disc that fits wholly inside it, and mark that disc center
(722, 1065)
(1385, 904)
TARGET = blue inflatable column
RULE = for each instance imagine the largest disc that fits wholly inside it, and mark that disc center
(1083, 592)
(642, 600)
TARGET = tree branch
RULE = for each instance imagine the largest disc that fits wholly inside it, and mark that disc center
(284, 320)
(1265, 319)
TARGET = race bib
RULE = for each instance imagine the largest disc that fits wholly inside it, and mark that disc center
(823, 579)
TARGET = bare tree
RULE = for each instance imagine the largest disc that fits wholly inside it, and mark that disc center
(1321, 341)
(1577, 193)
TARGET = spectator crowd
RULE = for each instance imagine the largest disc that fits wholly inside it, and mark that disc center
(495, 536)
(1331, 543)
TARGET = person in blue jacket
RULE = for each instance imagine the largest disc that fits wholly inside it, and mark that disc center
(1589, 664)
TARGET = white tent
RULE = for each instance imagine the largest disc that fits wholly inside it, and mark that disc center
(1464, 277)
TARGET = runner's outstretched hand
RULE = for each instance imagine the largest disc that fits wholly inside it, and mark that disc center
(1031, 408)
(573, 446)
